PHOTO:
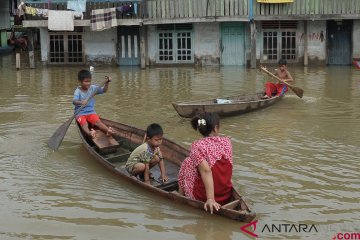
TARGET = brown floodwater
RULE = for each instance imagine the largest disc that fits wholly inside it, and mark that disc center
(297, 162)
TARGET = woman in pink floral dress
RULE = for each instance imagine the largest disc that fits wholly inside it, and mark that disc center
(206, 174)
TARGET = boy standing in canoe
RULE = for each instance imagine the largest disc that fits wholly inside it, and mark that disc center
(87, 116)
(278, 89)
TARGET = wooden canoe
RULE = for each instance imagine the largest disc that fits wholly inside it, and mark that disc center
(128, 138)
(228, 106)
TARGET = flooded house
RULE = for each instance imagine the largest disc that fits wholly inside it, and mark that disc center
(195, 32)
(4, 26)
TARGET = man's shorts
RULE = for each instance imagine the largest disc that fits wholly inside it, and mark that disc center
(90, 118)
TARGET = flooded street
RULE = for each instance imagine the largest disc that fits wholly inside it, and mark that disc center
(295, 162)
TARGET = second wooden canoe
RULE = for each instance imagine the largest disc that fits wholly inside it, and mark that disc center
(228, 106)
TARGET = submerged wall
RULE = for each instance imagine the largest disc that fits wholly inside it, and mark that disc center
(100, 47)
(207, 43)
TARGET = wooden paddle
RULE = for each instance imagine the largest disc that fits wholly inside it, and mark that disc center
(56, 139)
(298, 91)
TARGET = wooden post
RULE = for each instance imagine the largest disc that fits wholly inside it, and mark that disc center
(17, 61)
(142, 47)
(30, 46)
(306, 56)
(31, 59)
(253, 44)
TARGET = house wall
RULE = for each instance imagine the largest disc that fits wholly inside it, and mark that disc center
(44, 36)
(316, 38)
(151, 36)
(206, 44)
(356, 39)
(100, 46)
(4, 15)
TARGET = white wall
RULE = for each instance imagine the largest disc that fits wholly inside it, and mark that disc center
(100, 46)
(316, 40)
(151, 36)
(356, 39)
(206, 44)
(44, 36)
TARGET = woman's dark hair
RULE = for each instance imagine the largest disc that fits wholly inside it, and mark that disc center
(282, 62)
(154, 129)
(205, 122)
(84, 74)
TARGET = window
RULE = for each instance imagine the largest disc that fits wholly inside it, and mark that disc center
(175, 44)
(66, 48)
(279, 41)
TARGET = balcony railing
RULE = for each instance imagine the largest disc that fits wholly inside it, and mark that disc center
(308, 9)
(90, 5)
(196, 8)
(227, 9)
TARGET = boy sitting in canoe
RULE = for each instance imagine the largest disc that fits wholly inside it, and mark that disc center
(87, 115)
(278, 89)
(147, 155)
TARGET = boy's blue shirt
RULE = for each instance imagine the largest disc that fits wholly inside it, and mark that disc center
(80, 95)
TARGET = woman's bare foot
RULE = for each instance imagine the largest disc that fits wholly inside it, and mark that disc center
(265, 97)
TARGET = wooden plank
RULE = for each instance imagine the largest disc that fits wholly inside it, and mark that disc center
(243, 8)
(163, 9)
(326, 8)
(321, 6)
(186, 8)
(212, 8)
(236, 8)
(201, 8)
(191, 8)
(294, 7)
(350, 7)
(289, 8)
(246, 8)
(357, 6)
(172, 8)
(104, 142)
(153, 9)
(195, 8)
(333, 7)
(181, 8)
(222, 8)
(226, 8)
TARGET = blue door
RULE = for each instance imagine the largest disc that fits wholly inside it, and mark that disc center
(128, 46)
(232, 44)
(339, 42)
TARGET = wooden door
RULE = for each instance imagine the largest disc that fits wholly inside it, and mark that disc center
(128, 46)
(339, 42)
(232, 44)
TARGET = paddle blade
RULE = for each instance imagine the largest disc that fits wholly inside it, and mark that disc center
(56, 139)
(298, 91)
